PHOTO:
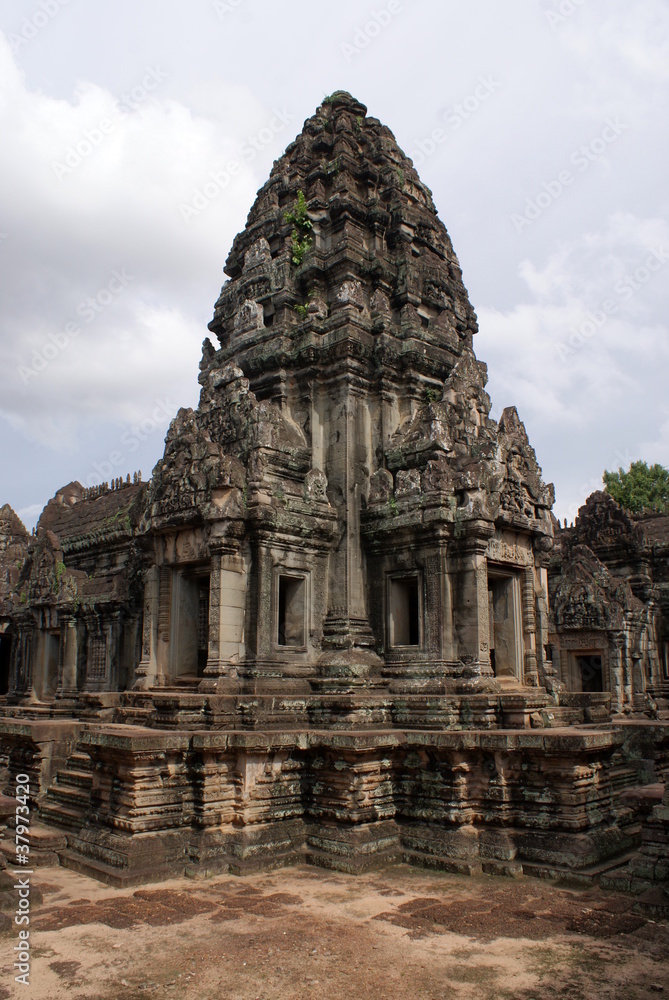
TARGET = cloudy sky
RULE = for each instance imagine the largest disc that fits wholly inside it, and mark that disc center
(539, 125)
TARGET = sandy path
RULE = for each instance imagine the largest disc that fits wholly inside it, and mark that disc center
(306, 933)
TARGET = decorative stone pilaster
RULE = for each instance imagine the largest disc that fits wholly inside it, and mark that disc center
(67, 674)
(113, 651)
(21, 671)
(617, 672)
(349, 657)
(227, 608)
(146, 675)
(471, 615)
(531, 677)
(638, 682)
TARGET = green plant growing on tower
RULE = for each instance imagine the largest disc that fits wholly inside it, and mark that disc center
(302, 308)
(300, 238)
(298, 247)
(299, 215)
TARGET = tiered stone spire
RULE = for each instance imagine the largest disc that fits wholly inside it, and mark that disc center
(345, 307)
(344, 232)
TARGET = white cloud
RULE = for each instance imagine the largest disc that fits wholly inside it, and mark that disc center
(91, 188)
(585, 358)
(657, 449)
(624, 50)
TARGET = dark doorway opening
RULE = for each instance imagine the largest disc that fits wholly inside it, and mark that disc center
(590, 668)
(504, 627)
(291, 611)
(190, 627)
(404, 612)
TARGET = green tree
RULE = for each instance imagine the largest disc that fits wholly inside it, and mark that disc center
(642, 487)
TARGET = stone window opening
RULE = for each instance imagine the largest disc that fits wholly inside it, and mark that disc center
(291, 611)
(404, 617)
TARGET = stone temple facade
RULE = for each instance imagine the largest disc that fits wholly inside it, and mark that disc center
(334, 624)
(609, 598)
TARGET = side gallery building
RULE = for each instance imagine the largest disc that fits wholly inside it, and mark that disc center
(325, 629)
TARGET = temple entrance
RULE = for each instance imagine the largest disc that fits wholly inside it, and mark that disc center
(5, 661)
(590, 672)
(45, 670)
(291, 611)
(505, 625)
(404, 611)
(190, 626)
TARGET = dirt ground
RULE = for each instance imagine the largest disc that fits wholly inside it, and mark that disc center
(315, 935)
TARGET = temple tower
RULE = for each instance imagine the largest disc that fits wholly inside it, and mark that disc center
(361, 518)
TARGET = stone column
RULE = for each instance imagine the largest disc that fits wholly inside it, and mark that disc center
(531, 677)
(472, 623)
(348, 639)
(227, 609)
(146, 674)
(638, 682)
(67, 681)
(548, 670)
(21, 671)
(113, 651)
(447, 643)
(616, 672)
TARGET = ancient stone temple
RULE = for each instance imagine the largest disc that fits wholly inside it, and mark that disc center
(322, 630)
(609, 600)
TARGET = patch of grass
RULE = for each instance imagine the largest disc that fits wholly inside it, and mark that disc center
(473, 974)
(546, 959)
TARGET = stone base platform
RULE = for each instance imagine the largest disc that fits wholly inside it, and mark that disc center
(140, 804)
(647, 871)
(46, 843)
(521, 708)
(256, 707)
